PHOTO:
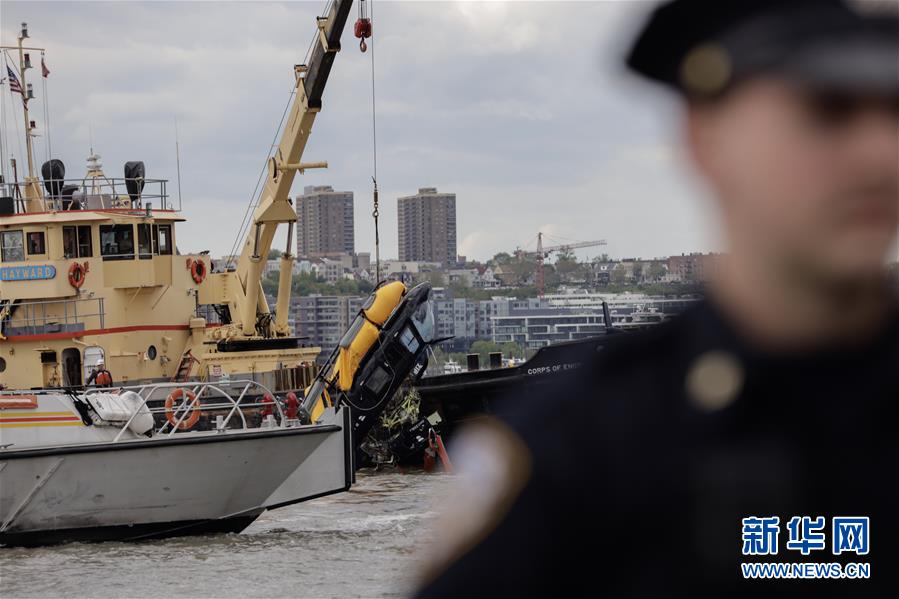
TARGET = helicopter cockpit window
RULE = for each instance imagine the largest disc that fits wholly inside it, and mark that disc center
(378, 380)
(409, 340)
(423, 319)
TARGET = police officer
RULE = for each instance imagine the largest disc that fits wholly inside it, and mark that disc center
(685, 451)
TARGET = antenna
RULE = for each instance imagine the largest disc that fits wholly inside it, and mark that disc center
(178, 162)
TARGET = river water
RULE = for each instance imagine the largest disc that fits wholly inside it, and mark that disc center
(369, 542)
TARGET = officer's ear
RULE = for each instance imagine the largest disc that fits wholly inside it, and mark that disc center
(699, 137)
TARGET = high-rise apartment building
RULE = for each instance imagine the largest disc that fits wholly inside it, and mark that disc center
(324, 222)
(427, 226)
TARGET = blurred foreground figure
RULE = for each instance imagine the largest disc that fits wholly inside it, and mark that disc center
(763, 426)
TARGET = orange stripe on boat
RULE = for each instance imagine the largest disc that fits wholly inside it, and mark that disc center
(18, 401)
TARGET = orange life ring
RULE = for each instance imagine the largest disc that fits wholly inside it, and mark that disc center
(170, 412)
(198, 271)
(77, 274)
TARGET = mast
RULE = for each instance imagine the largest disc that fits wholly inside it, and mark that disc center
(32, 185)
(23, 35)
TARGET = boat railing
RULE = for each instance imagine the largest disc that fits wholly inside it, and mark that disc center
(91, 193)
(230, 408)
(37, 317)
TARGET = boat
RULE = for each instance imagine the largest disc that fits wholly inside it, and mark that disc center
(126, 413)
(98, 465)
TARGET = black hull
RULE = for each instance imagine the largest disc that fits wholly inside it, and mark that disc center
(466, 396)
(136, 532)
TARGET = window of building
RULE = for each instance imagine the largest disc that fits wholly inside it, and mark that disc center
(36, 243)
(162, 237)
(12, 246)
(117, 242)
(144, 246)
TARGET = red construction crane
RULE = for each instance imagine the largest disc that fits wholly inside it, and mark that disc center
(543, 252)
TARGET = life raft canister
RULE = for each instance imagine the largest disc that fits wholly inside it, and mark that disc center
(197, 270)
(77, 274)
(191, 419)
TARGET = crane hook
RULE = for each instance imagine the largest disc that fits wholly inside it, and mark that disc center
(362, 29)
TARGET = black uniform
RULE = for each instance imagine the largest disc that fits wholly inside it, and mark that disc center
(650, 475)
(639, 489)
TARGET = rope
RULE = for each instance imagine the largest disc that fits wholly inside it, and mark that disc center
(49, 144)
(3, 130)
(254, 199)
(374, 143)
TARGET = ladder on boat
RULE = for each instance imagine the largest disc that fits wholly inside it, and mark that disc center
(185, 367)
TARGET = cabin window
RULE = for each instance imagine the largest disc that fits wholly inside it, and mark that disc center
(85, 242)
(76, 242)
(163, 239)
(69, 242)
(117, 242)
(36, 243)
(144, 247)
(12, 246)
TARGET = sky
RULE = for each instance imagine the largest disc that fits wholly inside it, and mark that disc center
(522, 109)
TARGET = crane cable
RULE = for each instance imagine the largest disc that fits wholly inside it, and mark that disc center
(374, 142)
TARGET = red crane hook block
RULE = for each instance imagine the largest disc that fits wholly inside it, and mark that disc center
(362, 30)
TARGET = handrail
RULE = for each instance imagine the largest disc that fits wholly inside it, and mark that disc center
(104, 188)
(148, 392)
(32, 315)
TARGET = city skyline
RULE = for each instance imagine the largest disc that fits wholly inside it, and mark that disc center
(473, 109)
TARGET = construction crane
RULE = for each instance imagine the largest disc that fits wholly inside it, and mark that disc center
(238, 292)
(542, 252)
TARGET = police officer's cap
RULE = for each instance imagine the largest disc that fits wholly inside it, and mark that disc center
(702, 47)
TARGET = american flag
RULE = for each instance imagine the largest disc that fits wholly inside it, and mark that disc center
(44, 70)
(14, 85)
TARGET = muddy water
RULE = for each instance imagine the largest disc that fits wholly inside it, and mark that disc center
(365, 543)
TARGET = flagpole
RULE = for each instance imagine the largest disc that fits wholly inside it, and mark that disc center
(28, 139)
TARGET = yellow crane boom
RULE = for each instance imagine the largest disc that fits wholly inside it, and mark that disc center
(241, 290)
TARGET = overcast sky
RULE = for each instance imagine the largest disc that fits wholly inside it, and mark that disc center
(520, 108)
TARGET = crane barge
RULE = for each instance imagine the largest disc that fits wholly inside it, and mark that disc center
(188, 434)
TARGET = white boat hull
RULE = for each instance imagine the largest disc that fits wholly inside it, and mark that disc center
(168, 485)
